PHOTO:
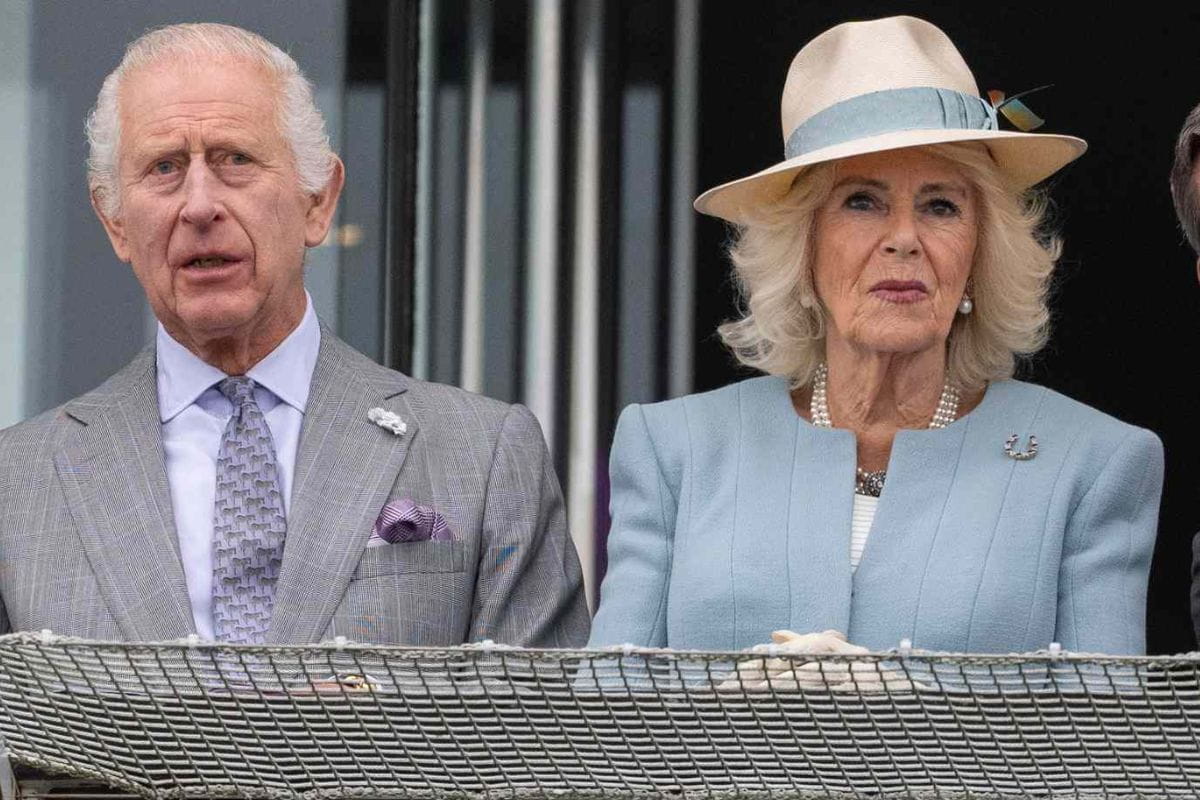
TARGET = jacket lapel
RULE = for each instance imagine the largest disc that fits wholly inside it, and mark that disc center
(935, 527)
(818, 524)
(894, 573)
(115, 481)
(346, 467)
(790, 561)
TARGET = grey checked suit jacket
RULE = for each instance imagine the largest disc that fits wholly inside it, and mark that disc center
(88, 544)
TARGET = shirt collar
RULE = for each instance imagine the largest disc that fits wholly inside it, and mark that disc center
(286, 371)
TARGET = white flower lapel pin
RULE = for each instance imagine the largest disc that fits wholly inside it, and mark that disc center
(388, 420)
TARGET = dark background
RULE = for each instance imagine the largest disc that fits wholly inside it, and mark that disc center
(1126, 301)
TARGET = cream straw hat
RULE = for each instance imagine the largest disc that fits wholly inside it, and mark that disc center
(862, 87)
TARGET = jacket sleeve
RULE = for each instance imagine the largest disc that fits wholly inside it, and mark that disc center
(633, 598)
(529, 589)
(1107, 548)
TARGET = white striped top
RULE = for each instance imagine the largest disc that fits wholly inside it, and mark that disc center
(860, 525)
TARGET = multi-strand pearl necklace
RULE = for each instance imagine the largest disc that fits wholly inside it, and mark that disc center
(870, 483)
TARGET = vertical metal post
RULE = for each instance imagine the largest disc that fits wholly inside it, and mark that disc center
(17, 176)
(683, 188)
(541, 290)
(427, 87)
(585, 316)
(402, 62)
(480, 66)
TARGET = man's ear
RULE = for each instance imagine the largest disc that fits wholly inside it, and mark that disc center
(1198, 270)
(324, 204)
(114, 227)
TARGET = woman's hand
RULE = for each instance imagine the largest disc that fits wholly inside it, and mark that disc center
(789, 674)
(829, 641)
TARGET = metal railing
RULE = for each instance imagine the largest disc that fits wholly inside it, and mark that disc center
(197, 719)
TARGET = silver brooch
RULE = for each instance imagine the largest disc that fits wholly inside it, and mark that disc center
(1020, 455)
(388, 420)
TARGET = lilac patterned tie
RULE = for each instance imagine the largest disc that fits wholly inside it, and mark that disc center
(248, 524)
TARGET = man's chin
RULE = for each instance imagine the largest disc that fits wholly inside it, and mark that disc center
(234, 321)
(210, 321)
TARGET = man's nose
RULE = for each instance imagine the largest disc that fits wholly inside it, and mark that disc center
(201, 205)
(901, 237)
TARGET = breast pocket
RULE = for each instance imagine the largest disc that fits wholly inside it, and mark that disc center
(410, 593)
(403, 557)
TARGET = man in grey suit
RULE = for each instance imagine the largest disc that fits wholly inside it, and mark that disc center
(249, 477)
(1185, 191)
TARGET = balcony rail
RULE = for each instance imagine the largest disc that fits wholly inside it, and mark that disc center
(194, 719)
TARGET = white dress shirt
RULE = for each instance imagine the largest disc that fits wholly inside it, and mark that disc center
(194, 414)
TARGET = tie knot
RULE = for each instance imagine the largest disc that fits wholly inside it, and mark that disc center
(239, 390)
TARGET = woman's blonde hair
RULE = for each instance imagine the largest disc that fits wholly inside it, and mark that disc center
(782, 326)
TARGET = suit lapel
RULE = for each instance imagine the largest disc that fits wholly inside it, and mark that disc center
(115, 481)
(346, 467)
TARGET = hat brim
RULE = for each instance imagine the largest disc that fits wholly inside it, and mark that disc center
(1026, 158)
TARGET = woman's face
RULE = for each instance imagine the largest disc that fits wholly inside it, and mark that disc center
(894, 246)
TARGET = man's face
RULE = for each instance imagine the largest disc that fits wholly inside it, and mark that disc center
(212, 216)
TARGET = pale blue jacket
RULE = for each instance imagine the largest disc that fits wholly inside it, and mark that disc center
(731, 518)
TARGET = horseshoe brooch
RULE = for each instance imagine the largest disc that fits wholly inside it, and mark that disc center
(1020, 455)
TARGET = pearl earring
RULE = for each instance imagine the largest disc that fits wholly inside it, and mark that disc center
(966, 305)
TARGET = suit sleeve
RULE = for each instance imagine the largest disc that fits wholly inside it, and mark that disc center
(1107, 549)
(633, 598)
(529, 589)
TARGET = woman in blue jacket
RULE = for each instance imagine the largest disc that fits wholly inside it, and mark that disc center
(886, 478)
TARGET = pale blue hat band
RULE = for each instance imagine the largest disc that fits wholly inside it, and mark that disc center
(888, 111)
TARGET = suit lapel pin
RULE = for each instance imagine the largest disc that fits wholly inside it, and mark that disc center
(1020, 455)
(388, 420)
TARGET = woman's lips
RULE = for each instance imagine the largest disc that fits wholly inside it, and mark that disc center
(900, 291)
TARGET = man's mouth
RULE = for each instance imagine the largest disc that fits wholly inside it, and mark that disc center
(207, 263)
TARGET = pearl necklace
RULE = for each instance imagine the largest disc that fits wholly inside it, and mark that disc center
(871, 483)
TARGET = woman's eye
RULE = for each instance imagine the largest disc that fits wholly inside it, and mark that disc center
(941, 207)
(861, 201)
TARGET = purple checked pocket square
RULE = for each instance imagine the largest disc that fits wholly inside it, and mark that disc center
(405, 521)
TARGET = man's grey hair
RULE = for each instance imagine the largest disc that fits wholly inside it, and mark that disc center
(1183, 187)
(299, 120)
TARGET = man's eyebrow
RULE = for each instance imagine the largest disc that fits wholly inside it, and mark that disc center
(171, 146)
(147, 150)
